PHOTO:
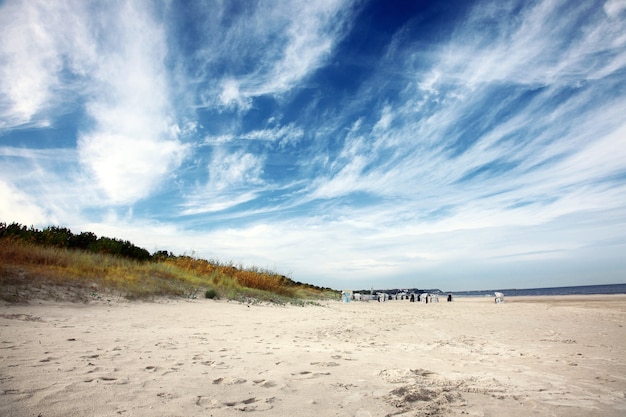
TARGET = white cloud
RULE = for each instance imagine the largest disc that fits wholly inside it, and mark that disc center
(311, 33)
(614, 8)
(113, 60)
(232, 97)
(540, 47)
(228, 170)
(219, 139)
(271, 47)
(211, 202)
(385, 120)
(234, 178)
(17, 206)
(344, 182)
(134, 143)
(50, 180)
(128, 168)
(284, 135)
(40, 40)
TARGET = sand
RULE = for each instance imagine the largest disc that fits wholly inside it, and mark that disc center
(536, 356)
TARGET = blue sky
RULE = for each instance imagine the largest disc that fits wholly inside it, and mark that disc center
(349, 144)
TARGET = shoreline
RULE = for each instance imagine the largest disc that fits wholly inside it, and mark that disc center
(581, 296)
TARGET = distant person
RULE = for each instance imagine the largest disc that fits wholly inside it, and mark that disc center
(449, 297)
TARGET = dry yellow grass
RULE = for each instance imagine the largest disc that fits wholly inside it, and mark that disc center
(26, 268)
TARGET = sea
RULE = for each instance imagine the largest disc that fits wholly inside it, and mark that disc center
(579, 290)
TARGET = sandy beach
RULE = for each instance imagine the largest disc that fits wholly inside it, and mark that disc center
(535, 356)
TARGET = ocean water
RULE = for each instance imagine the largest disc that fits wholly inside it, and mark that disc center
(580, 290)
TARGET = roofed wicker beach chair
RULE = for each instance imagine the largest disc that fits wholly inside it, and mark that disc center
(499, 297)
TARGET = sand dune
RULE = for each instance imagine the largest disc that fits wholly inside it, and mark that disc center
(539, 356)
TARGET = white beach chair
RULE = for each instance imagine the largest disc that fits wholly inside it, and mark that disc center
(499, 297)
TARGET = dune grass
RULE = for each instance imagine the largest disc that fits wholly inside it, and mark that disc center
(29, 270)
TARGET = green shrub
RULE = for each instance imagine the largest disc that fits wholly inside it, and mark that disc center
(210, 293)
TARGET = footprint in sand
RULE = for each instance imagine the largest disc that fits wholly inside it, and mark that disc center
(198, 359)
(90, 356)
(229, 381)
(247, 404)
(108, 379)
(325, 363)
(251, 404)
(166, 345)
(264, 383)
(310, 375)
(166, 395)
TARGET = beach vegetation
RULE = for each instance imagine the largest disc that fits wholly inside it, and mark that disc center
(55, 263)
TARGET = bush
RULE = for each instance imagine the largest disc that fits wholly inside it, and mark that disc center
(210, 293)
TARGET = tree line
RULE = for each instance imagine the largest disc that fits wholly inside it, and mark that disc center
(62, 237)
